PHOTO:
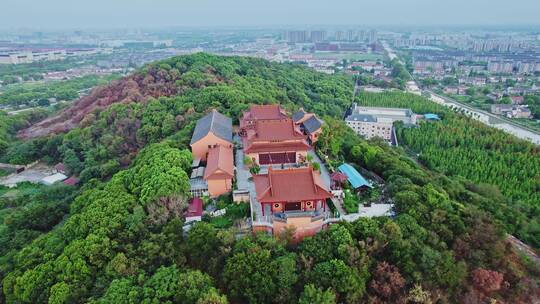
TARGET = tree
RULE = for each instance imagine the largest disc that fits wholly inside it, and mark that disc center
(471, 91)
(44, 102)
(275, 273)
(202, 244)
(387, 282)
(339, 277)
(171, 284)
(418, 295)
(9, 79)
(72, 161)
(194, 286)
(60, 294)
(212, 297)
(122, 291)
(487, 281)
(314, 295)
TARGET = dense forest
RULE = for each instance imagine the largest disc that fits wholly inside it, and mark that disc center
(10, 124)
(503, 167)
(119, 237)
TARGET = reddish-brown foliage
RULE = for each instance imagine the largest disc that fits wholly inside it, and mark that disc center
(487, 281)
(135, 88)
(387, 282)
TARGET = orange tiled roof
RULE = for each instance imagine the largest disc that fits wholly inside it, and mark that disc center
(265, 112)
(275, 135)
(219, 164)
(290, 185)
(282, 129)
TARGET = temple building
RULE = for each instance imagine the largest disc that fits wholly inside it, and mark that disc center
(211, 130)
(309, 124)
(275, 142)
(261, 112)
(212, 149)
(292, 198)
(270, 137)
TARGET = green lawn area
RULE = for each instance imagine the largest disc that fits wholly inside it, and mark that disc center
(25, 188)
(349, 56)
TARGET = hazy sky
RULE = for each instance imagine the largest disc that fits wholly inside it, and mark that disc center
(44, 14)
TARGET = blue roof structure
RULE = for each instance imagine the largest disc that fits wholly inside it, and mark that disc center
(431, 116)
(355, 178)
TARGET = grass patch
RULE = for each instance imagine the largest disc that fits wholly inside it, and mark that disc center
(351, 201)
(221, 222)
(234, 212)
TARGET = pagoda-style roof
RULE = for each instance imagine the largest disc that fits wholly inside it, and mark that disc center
(265, 112)
(275, 135)
(298, 115)
(290, 185)
(312, 124)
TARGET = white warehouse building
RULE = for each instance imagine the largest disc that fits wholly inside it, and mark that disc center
(372, 122)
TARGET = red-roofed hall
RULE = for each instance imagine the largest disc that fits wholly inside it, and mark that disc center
(297, 198)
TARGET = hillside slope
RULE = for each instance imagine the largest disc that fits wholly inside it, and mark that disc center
(135, 88)
(121, 239)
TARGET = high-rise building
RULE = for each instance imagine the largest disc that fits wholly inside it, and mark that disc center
(373, 36)
(297, 36)
(362, 35)
(318, 36)
(351, 35)
(340, 35)
(500, 67)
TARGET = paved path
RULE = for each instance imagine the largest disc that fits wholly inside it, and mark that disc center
(33, 175)
(523, 248)
(337, 203)
(325, 174)
(244, 182)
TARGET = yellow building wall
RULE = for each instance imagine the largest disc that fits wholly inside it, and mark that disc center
(200, 148)
(217, 187)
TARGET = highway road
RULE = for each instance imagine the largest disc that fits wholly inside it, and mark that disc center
(488, 118)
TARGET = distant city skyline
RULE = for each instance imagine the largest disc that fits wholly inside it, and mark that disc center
(62, 14)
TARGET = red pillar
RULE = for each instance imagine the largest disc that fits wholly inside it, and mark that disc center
(262, 205)
(324, 205)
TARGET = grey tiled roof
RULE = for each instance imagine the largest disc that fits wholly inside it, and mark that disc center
(214, 122)
(312, 124)
(361, 117)
(298, 115)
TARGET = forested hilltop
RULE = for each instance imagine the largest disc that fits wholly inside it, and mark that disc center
(118, 238)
